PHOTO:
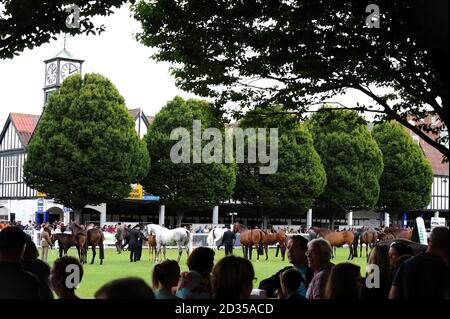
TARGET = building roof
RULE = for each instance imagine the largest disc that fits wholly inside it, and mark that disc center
(433, 155)
(25, 125)
(64, 54)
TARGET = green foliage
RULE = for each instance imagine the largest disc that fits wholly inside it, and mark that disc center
(300, 177)
(183, 186)
(352, 159)
(407, 176)
(296, 53)
(29, 24)
(85, 149)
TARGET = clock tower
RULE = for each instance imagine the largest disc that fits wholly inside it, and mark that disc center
(57, 69)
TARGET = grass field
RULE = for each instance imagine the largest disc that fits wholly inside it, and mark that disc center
(118, 266)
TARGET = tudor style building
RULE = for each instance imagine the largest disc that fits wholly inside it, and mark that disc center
(17, 200)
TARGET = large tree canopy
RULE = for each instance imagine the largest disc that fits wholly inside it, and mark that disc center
(300, 176)
(352, 159)
(300, 53)
(27, 24)
(186, 185)
(407, 176)
(85, 149)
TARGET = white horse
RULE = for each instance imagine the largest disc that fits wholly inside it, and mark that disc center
(174, 237)
(215, 237)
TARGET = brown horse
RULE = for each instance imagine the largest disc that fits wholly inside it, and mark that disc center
(274, 238)
(395, 232)
(369, 237)
(95, 238)
(152, 247)
(250, 238)
(65, 241)
(337, 239)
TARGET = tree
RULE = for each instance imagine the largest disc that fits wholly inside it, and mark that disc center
(301, 53)
(186, 185)
(300, 176)
(407, 176)
(352, 159)
(85, 150)
(28, 24)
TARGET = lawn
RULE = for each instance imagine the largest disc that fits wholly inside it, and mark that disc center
(118, 266)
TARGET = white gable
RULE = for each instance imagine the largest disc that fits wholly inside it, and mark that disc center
(11, 139)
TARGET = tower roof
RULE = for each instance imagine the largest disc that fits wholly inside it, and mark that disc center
(64, 55)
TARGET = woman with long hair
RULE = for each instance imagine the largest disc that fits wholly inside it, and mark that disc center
(165, 277)
(344, 282)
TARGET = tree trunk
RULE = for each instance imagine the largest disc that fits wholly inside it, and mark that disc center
(179, 217)
(77, 215)
(332, 221)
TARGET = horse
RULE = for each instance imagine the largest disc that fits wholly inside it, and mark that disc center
(337, 239)
(250, 238)
(65, 241)
(80, 236)
(95, 237)
(278, 237)
(395, 232)
(215, 237)
(151, 247)
(178, 236)
(416, 247)
(370, 238)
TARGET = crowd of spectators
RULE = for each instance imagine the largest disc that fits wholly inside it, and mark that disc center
(311, 276)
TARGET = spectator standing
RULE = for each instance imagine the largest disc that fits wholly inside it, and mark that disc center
(125, 288)
(165, 278)
(319, 256)
(379, 257)
(232, 278)
(45, 243)
(425, 276)
(196, 283)
(290, 281)
(344, 282)
(296, 248)
(64, 267)
(16, 283)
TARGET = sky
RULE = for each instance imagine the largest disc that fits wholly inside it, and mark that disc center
(143, 82)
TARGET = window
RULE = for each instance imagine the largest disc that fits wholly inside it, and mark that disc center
(10, 169)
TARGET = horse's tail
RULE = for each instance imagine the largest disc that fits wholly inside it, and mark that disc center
(101, 247)
(261, 244)
(210, 238)
(189, 241)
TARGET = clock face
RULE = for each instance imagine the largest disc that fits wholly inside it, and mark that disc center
(51, 73)
(68, 69)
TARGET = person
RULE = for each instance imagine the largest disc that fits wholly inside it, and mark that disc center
(32, 264)
(319, 256)
(16, 283)
(125, 288)
(196, 283)
(45, 243)
(140, 244)
(232, 278)
(228, 240)
(164, 278)
(344, 282)
(296, 248)
(399, 253)
(119, 238)
(63, 267)
(379, 256)
(290, 281)
(133, 244)
(425, 276)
